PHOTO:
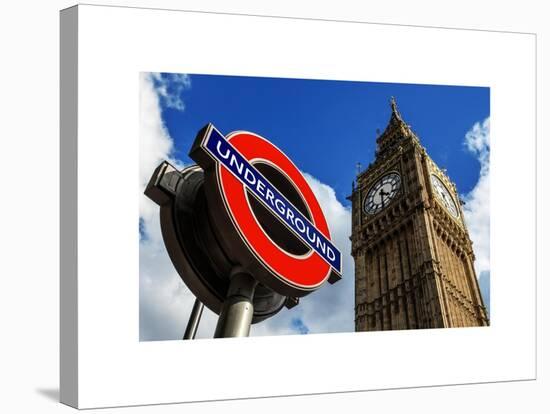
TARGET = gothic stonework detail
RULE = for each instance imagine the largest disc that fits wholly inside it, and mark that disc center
(413, 255)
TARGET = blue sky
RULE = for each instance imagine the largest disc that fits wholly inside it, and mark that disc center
(326, 128)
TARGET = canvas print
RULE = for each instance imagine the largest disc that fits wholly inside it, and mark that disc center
(273, 206)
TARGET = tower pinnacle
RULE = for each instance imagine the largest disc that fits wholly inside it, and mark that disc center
(393, 105)
(395, 131)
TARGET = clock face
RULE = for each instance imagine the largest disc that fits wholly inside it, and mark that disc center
(444, 195)
(381, 193)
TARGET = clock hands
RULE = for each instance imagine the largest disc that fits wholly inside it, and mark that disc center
(448, 203)
(382, 194)
(443, 194)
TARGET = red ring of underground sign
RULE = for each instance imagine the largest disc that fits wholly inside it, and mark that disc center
(307, 271)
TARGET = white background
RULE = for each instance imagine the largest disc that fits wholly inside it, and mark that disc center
(29, 160)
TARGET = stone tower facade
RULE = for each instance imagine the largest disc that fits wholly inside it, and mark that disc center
(413, 255)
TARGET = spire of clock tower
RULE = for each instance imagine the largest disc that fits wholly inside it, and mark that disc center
(393, 106)
(396, 131)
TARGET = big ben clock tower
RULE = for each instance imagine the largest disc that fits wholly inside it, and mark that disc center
(413, 255)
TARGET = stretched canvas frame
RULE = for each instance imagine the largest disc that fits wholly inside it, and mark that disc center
(103, 50)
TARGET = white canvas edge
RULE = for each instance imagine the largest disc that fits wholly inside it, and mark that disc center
(115, 44)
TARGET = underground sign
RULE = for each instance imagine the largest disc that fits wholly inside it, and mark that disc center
(265, 212)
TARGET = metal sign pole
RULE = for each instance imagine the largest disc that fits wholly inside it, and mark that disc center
(237, 310)
(194, 320)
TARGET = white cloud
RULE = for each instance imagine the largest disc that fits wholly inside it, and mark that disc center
(477, 207)
(165, 301)
(331, 308)
(154, 146)
(169, 87)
